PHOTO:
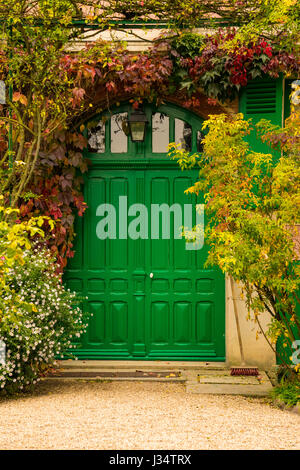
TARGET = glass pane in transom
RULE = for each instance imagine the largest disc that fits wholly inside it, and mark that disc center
(183, 134)
(118, 138)
(160, 133)
(96, 138)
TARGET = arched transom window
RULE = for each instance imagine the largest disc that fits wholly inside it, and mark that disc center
(108, 134)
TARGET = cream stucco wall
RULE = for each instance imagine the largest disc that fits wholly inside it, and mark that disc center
(257, 352)
(137, 39)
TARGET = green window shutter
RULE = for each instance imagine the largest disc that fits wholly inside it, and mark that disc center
(262, 99)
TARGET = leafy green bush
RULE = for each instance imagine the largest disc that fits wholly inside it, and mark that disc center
(288, 392)
(38, 319)
(188, 44)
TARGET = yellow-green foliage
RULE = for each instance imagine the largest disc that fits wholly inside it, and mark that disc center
(253, 200)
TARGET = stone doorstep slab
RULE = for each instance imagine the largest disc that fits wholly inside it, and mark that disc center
(228, 380)
(96, 378)
(230, 385)
(222, 375)
(117, 370)
(229, 389)
(234, 379)
(157, 365)
(219, 373)
(115, 373)
(204, 378)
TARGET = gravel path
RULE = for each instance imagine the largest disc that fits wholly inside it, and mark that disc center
(131, 415)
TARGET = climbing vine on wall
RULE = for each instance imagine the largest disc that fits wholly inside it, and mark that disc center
(221, 69)
(56, 88)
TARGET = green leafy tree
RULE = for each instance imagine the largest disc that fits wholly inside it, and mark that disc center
(253, 200)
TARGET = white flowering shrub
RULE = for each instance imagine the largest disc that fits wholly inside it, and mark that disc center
(38, 319)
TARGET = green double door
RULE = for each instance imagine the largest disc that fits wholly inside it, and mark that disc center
(150, 298)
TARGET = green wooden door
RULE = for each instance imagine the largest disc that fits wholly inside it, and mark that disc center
(151, 298)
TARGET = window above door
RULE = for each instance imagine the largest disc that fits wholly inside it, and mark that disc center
(107, 134)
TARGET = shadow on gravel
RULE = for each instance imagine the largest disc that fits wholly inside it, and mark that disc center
(51, 387)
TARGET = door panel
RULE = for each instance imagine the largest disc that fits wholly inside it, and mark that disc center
(186, 300)
(176, 314)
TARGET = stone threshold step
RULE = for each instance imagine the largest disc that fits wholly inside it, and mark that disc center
(123, 373)
(96, 378)
(226, 378)
(157, 365)
(229, 389)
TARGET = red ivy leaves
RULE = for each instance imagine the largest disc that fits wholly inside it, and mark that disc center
(221, 73)
(57, 189)
(78, 96)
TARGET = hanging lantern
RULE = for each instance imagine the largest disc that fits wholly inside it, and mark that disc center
(137, 125)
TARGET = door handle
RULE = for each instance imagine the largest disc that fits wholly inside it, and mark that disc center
(151, 275)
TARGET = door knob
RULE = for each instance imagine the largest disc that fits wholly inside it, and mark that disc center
(151, 275)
